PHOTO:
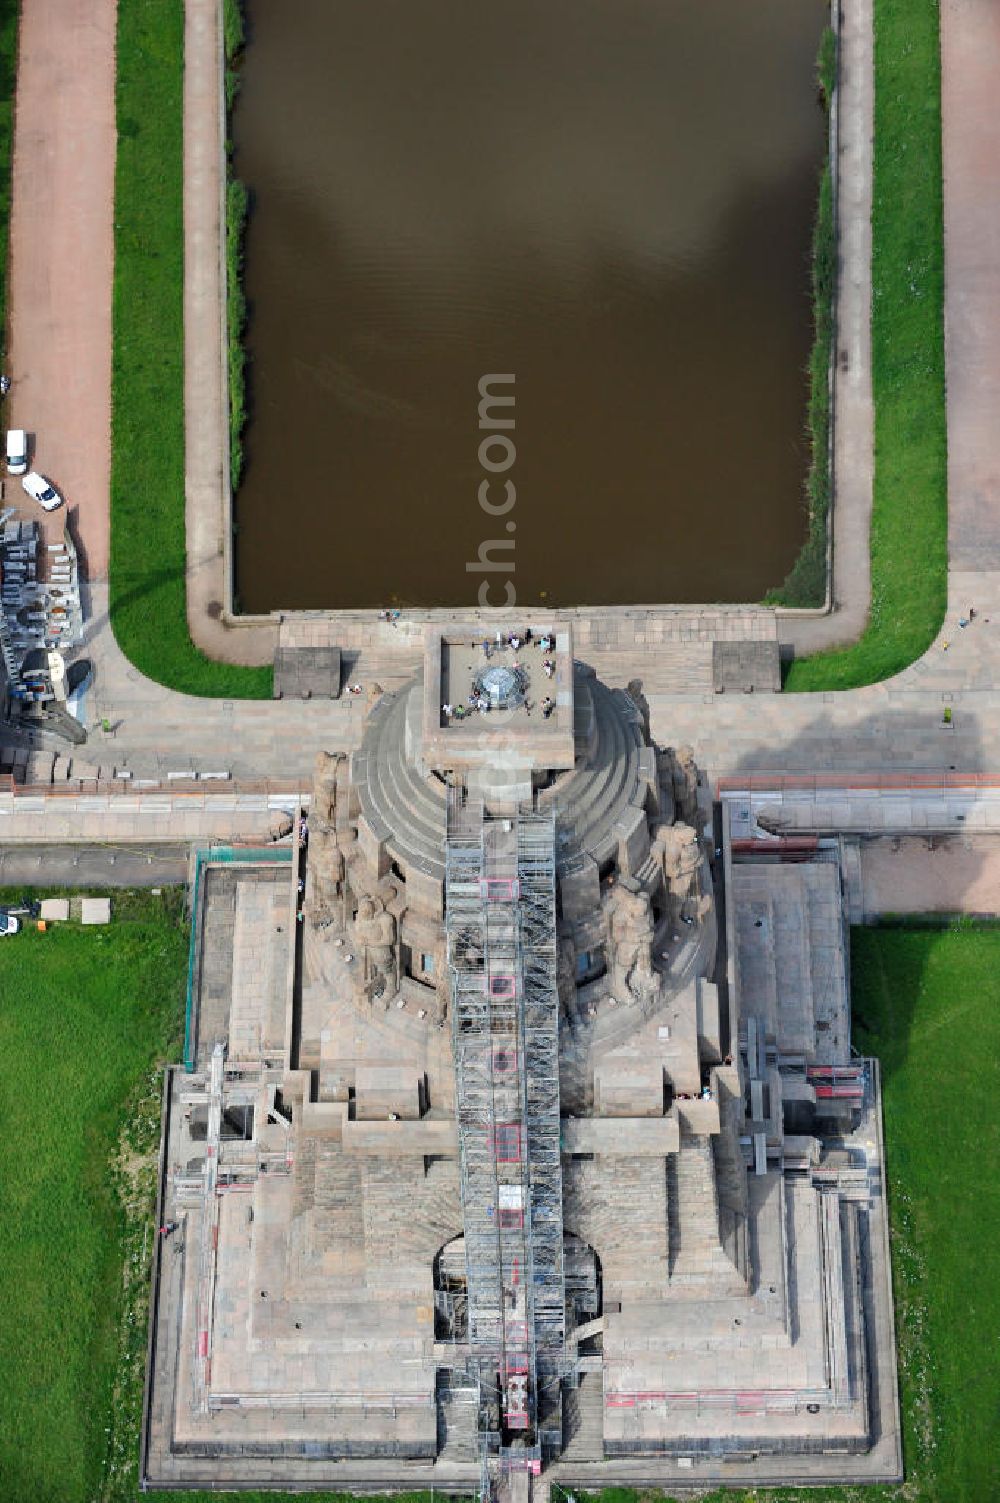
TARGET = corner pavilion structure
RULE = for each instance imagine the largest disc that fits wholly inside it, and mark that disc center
(524, 1142)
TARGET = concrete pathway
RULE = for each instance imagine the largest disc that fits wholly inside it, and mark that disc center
(970, 56)
(853, 408)
(206, 396)
(61, 259)
(914, 875)
(93, 866)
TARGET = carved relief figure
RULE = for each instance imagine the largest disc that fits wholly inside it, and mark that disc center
(685, 784)
(631, 943)
(374, 939)
(324, 798)
(566, 976)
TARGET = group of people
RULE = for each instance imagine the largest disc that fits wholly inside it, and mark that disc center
(516, 640)
(459, 712)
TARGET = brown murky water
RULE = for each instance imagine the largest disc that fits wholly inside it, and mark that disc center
(609, 199)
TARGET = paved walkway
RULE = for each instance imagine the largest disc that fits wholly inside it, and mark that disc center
(61, 259)
(970, 50)
(853, 410)
(93, 866)
(913, 875)
(206, 410)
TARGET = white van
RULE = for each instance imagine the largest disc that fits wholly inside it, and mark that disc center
(17, 451)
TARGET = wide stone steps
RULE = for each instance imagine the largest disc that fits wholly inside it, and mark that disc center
(256, 1015)
(593, 798)
(393, 795)
(828, 963)
(793, 969)
(699, 1267)
(583, 1419)
(408, 1215)
(600, 1197)
(790, 912)
(758, 975)
(676, 667)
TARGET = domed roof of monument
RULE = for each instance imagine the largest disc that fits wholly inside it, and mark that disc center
(404, 802)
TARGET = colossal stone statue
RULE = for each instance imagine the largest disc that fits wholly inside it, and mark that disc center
(678, 855)
(630, 920)
(324, 798)
(374, 936)
(685, 784)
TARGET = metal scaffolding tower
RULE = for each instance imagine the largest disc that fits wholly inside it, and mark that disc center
(500, 921)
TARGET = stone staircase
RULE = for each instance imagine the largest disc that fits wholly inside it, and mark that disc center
(601, 788)
(828, 964)
(409, 1215)
(669, 648)
(673, 667)
(792, 963)
(600, 1197)
(699, 1267)
(583, 1419)
(395, 799)
(457, 1432)
(327, 1189)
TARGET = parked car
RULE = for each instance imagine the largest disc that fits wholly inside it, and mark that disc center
(8, 925)
(17, 451)
(41, 490)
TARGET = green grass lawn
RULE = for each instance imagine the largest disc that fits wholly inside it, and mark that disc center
(84, 1013)
(928, 1003)
(148, 608)
(909, 536)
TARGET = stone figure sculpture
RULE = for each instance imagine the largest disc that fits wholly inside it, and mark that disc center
(678, 854)
(635, 693)
(326, 861)
(326, 879)
(685, 778)
(374, 939)
(665, 780)
(566, 976)
(323, 811)
(630, 921)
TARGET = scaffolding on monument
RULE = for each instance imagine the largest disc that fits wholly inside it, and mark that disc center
(500, 922)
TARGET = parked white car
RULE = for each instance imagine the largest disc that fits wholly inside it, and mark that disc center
(41, 490)
(9, 925)
(17, 451)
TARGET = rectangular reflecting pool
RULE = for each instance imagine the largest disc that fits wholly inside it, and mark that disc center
(609, 201)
